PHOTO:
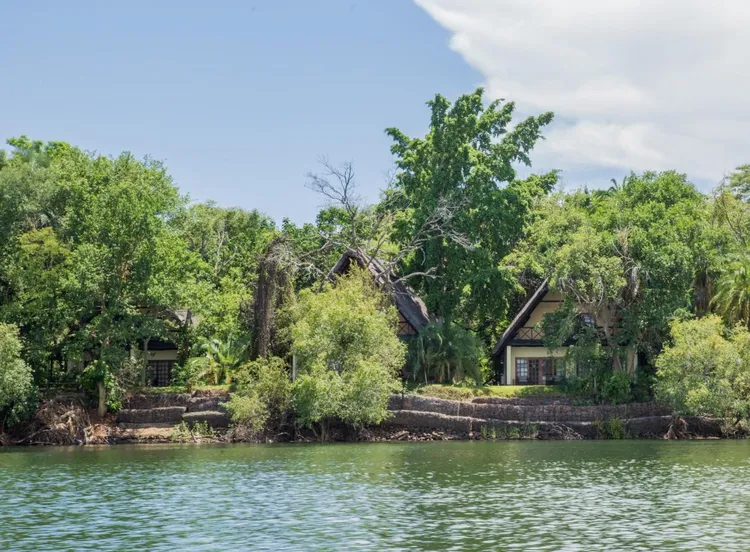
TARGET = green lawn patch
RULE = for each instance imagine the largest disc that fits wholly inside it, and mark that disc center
(182, 389)
(458, 393)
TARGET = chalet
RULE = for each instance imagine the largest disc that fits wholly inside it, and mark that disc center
(520, 357)
(412, 312)
(161, 354)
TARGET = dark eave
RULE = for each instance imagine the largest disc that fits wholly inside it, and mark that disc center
(521, 318)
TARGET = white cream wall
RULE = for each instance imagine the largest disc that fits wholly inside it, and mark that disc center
(512, 353)
(159, 355)
(550, 303)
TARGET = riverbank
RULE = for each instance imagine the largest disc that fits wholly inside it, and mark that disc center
(199, 417)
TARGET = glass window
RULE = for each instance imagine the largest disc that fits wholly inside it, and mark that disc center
(548, 364)
(559, 367)
(522, 370)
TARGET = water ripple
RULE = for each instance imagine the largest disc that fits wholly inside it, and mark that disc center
(630, 495)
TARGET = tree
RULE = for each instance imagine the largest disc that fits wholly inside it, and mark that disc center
(347, 353)
(447, 353)
(706, 370)
(466, 161)
(228, 244)
(274, 294)
(629, 258)
(732, 297)
(16, 384)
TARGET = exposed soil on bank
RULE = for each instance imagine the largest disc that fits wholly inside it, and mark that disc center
(172, 417)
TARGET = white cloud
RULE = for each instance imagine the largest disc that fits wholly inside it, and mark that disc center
(634, 84)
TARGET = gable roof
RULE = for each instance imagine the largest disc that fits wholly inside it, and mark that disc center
(408, 303)
(522, 317)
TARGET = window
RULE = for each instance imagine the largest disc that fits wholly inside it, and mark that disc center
(559, 368)
(160, 372)
(534, 371)
(522, 370)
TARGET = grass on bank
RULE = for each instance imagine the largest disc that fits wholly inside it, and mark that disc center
(457, 393)
(182, 389)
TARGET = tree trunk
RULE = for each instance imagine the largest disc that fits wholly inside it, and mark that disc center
(102, 399)
(632, 360)
(144, 362)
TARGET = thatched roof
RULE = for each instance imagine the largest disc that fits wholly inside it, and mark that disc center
(408, 303)
(522, 317)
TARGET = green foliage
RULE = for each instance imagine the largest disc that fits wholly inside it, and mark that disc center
(268, 380)
(449, 392)
(222, 358)
(187, 433)
(445, 352)
(732, 296)
(629, 257)
(466, 161)
(706, 370)
(16, 384)
(611, 428)
(190, 374)
(261, 397)
(347, 353)
(248, 412)
(616, 388)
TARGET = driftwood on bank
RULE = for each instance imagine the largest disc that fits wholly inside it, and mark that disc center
(59, 421)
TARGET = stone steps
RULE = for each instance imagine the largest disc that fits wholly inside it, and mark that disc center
(207, 411)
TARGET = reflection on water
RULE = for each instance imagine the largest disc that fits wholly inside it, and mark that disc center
(625, 495)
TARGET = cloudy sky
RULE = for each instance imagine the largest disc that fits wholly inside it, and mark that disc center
(634, 84)
(240, 98)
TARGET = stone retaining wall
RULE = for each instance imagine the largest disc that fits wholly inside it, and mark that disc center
(525, 412)
(160, 415)
(648, 427)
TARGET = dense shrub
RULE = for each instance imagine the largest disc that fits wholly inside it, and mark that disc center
(262, 395)
(348, 354)
(706, 370)
(616, 388)
(16, 384)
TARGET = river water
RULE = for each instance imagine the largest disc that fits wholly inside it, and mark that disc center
(595, 495)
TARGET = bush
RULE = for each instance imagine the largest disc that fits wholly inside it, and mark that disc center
(247, 411)
(268, 380)
(616, 388)
(192, 373)
(348, 354)
(16, 382)
(706, 370)
(613, 428)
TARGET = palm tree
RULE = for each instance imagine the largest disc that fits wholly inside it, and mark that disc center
(732, 298)
(223, 357)
(447, 353)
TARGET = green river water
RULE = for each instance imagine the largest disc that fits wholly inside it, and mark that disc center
(590, 495)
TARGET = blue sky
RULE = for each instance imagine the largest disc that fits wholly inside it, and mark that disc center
(238, 98)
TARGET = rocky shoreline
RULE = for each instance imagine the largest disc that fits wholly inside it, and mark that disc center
(172, 417)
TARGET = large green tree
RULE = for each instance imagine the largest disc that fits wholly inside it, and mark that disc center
(92, 264)
(629, 257)
(464, 166)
